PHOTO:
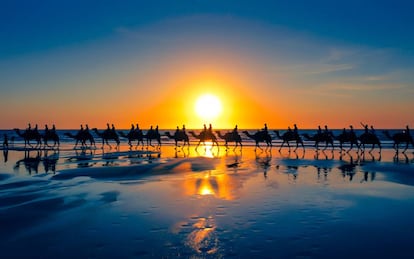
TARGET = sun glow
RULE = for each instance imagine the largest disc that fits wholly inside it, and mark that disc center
(208, 107)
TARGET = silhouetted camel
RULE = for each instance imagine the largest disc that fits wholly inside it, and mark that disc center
(346, 137)
(133, 135)
(290, 136)
(400, 138)
(51, 135)
(321, 137)
(369, 138)
(107, 135)
(81, 137)
(203, 137)
(28, 135)
(179, 136)
(153, 134)
(260, 136)
(230, 137)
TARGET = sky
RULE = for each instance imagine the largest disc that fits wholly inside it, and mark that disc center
(312, 63)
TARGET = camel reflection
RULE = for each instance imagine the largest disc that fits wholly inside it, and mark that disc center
(181, 152)
(31, 163)
(83, 158)
(50, 161)
(323, 171)
(263, 160)
(348, 169)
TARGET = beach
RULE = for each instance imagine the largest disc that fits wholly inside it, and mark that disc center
(209, 202)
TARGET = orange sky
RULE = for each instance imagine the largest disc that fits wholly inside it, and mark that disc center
(261, 74)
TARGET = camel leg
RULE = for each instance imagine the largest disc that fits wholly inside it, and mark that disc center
(406, 147)
(282, 145)
(296, 148)
(352, 145)
(373, 146)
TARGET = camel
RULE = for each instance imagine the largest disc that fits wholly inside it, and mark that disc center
(260, 136)
(321, 137)
(345, 137)
(51, 135)
(82, 137)
(369, 138)
(400, 138)
(107, 135)
(290, 136)
(28, 135)
(203, 137)
(153, 134)
(133, 135)
(230, 137)
(179, 136)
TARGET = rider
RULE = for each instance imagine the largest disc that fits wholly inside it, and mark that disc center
(295, 130)
(81, 131)
(407, 130)
(319, 129)
(235, 131)
(327, 132)
(265, 128)
(372, 130)
(365, 128)
(210, 130)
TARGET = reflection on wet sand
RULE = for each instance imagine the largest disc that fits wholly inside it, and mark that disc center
(203, 239)
(31, 163)
(217, 184)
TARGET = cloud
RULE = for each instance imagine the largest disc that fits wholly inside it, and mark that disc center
(314, 69)
(335, 86)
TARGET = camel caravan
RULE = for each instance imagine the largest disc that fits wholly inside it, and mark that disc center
(323, 138)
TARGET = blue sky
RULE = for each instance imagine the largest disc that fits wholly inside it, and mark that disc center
(31, 26)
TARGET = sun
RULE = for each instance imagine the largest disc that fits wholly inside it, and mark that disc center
(208, 106)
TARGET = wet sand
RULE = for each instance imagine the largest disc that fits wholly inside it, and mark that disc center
(210, 203)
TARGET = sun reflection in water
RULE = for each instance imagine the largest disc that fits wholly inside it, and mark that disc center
(203, 238)
(209, 150)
